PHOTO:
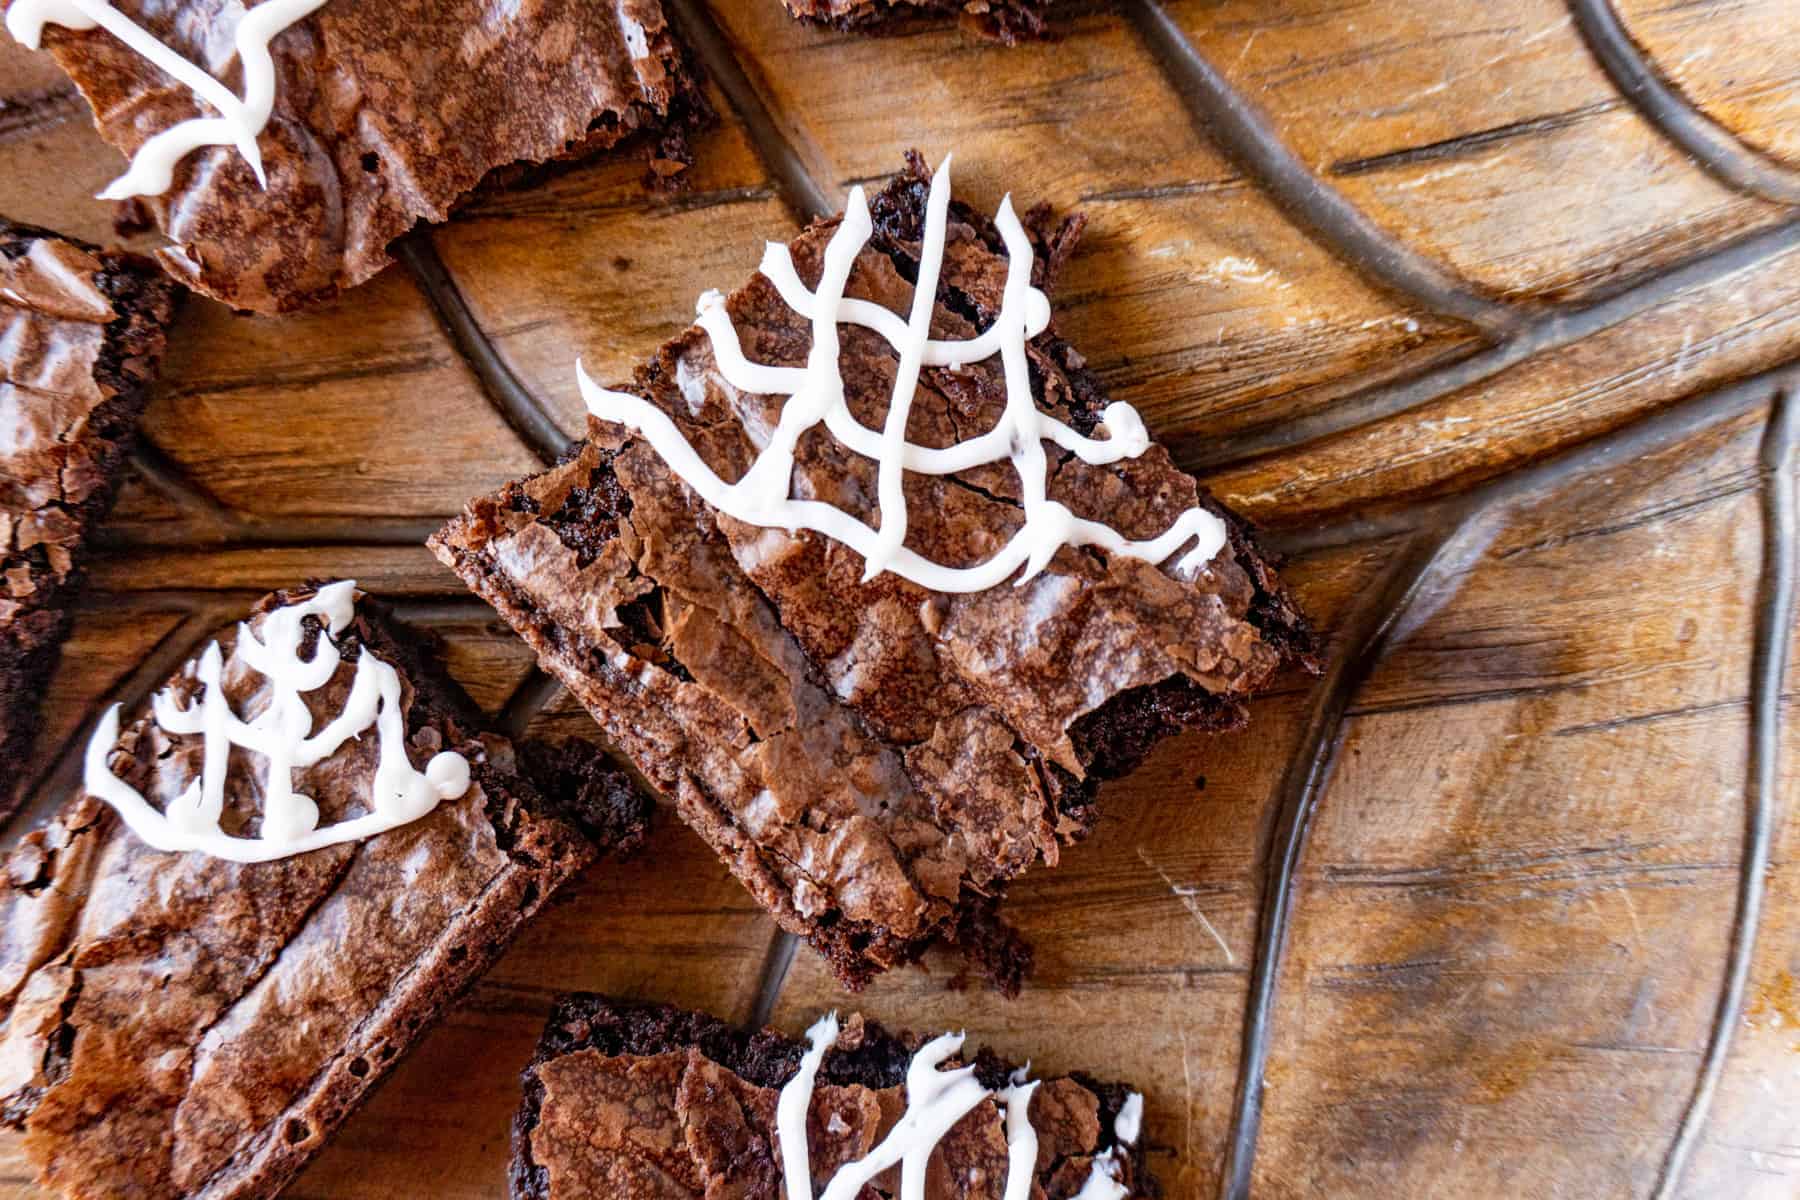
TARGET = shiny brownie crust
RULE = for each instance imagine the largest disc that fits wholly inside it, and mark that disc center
(699, 667)
(174, 1024)
(87, 330)
(388, 114)
(869, 1056)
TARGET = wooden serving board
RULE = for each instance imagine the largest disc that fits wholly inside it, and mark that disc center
(1486, 310)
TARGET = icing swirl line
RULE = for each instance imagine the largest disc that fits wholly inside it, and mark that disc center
(241, 119)
(935, 1101)
(281, 733)
(816, 394)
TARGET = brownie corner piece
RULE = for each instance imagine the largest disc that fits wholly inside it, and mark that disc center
(875, 755)
(611, 1079)
(386, 114)
(81, 335)
(295, 939)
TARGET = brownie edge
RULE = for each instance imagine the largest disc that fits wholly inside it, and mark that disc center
(875, 760)
(90, 327)
(587, 1032)
(1006, 21)
(282, 990)
(386, 115)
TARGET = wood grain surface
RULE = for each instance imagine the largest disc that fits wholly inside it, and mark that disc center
(1488, 311)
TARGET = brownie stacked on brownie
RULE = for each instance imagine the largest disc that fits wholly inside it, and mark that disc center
(181, 1023)
(81, 331)
(387, 113)
(872, 758)
(638, 1101)
(1007, 21)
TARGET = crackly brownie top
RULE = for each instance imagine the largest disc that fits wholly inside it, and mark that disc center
(386, 113)
(634, 1101)
(164, 1012)
(872, 749)
(80, 333)
(1012, 665)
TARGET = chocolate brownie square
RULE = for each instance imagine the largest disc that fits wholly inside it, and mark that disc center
(640, 1101)
(385, 114)
(875, 757)
(1008, 21)
(345, 851)
(81, 331)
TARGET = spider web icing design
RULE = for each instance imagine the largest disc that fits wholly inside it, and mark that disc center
(935, 1101)
(241, 118)
(282, 734)
(816, 394)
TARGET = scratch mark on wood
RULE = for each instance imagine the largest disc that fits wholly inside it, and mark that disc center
(1187, 1084)
(1189, 897)
(1637, 929)
(1649, 718)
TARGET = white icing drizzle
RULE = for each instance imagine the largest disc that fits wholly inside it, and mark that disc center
(816, 394)
(792, 1105)
(241, 119)
(1103, 1182)
(281, 733)
(637, 41)
(1130, 1121)
(1021, 1137)
(935, 1101)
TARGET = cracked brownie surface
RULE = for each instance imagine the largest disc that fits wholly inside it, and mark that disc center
(872, 759)
(387, 113)
(632, 1101)
(81, 333)
(174, 1024)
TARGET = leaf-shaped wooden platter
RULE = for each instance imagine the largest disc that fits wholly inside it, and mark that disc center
(1487, 311)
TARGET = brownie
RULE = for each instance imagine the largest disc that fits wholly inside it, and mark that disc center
(632, 1101)
(179, 1024)
(872, 759)
(387, 113)
(1008, 21)
(81, 331)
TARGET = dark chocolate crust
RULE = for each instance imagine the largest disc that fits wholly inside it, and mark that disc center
(868, 1056)
(388, 114)
(1007, 21)
(178, 1025)
(79, 367)
(947, 742)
